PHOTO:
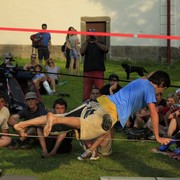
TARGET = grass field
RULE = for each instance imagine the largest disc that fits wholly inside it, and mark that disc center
(128, 158)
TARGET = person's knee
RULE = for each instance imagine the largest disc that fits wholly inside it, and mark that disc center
(5, 141)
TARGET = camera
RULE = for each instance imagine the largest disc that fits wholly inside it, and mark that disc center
(92, 38)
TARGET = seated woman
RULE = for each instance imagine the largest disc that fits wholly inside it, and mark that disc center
(174, 118)
(32, 63)
(53, 74)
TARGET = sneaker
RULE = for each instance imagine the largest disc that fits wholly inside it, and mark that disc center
(94, 156)
(152, 137)
(15, 144)
(106, 122)
(86, 155)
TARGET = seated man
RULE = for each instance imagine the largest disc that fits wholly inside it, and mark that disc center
(33, 110)
(5, 140)
(112, 87)
(128, 100)
(63, 142)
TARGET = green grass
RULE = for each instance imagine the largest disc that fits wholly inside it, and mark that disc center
(128, 158)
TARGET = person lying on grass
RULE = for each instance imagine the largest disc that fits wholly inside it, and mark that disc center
(99, 117)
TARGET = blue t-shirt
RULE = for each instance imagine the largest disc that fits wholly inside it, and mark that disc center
(45, 38)
(133, 97)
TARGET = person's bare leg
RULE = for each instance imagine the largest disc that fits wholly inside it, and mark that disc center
(42, 141)
(57, 145)
(22, 126)
(5, 141)
(172, 127)
(52, 119)
(103, 140)
(98, 141)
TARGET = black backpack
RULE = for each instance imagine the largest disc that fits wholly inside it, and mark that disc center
(138, 133)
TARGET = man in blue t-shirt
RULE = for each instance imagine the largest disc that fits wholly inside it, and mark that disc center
(44, 39)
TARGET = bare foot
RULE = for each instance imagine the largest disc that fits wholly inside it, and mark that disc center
(20, 129)
(48, 155)
(49, 124)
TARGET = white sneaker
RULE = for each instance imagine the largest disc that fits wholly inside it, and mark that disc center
(86, 155)
(94, 156)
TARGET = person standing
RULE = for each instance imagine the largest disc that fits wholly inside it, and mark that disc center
(44, 47)
(94, 55)
(72, 42)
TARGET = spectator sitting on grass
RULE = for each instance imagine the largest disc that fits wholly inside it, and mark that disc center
(40, 79)
(63, 142)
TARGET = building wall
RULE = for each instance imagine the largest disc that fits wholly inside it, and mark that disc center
(127, 16)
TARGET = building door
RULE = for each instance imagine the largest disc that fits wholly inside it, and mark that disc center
(101, 24)
(99, 27)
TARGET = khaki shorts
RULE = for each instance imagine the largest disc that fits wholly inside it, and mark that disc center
(91, 125)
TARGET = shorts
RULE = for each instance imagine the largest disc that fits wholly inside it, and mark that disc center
(43, 53)
(73, 54)
(91, 116)
(91, 125)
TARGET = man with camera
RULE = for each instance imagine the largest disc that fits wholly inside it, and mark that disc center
(94, 55)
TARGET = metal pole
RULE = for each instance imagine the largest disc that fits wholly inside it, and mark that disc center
(168, 31)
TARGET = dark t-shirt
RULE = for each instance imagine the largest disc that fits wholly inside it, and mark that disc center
(26, 114)
(162, 103)
(105, 89)
(94, 58)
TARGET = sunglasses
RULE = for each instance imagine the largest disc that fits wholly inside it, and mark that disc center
(92, 30)
(33, 57)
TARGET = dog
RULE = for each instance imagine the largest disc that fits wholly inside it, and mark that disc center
(129, 69)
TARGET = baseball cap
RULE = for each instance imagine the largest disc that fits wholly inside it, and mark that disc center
(114, 76)
(30, 95)
(7, 55)
(178, 92)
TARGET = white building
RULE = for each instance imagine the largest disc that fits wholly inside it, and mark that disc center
(119, 16)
